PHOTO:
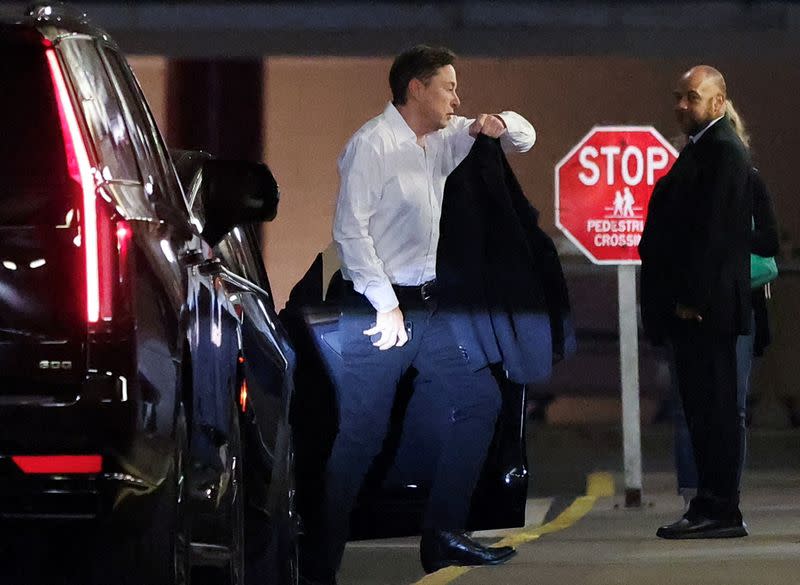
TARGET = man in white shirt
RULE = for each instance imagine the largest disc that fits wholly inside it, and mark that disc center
(386, 227)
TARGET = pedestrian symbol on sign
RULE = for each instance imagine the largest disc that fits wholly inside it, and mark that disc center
(623, 204)
(627, 210)
(619, 203)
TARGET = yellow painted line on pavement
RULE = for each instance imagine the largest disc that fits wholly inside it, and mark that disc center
(577, 510)
(444, 576)
(597, 486)
(600, 484)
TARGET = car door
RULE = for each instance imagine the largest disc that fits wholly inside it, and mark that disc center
(267, 359)
(395, 491)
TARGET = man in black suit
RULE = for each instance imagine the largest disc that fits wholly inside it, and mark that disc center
(696, 292)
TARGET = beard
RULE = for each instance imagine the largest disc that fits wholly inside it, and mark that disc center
(692, 125)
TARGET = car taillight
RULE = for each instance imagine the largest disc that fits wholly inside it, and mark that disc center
(81, 171)
(113, 238)
(59, 464)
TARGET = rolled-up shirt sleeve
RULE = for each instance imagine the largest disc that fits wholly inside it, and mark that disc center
(360, 172)
(520, 135)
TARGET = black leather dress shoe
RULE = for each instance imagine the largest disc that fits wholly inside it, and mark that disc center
(444, 548)
(702, 527)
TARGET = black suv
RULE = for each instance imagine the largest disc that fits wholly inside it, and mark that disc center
(145, 380)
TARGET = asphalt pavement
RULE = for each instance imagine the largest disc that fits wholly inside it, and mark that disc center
(580, 538)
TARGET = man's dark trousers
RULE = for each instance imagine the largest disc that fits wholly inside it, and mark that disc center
(470, 402)
(705, 361)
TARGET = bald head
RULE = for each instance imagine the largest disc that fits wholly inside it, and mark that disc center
(710, 75)
(699, 98)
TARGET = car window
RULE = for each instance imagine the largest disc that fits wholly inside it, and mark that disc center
(137, 202)
(159, 176)
(104, 117)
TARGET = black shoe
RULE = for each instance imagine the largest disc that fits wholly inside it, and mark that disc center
(444, 548)
(702, 527)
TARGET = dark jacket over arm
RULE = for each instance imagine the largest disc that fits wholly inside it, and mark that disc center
(499, 275)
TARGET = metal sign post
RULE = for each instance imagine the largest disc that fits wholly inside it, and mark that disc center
(629, 370)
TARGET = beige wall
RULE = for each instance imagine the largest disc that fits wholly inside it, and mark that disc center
(152, 75)
(312, 106)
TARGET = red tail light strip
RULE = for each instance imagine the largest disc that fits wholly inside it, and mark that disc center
(81, 171)
(58, 464)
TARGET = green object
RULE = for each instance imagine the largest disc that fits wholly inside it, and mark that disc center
(763, 270)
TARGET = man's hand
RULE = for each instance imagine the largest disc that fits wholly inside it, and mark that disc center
(490, 124)
(688, 314)
(392, 328)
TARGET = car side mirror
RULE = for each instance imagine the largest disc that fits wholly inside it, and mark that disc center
(236, 192)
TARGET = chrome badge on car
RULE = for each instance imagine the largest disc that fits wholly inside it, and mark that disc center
(55, 365)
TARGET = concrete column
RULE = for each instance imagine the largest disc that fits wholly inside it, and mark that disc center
(216, 105)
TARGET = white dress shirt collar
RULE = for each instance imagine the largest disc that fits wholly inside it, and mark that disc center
(400, 128)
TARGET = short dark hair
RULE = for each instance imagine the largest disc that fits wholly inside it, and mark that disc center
(419, 62)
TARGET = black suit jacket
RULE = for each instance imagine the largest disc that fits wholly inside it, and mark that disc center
(499, 277)
(695, 248)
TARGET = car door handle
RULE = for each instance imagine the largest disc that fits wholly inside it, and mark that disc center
(211, 267)
(233, 283)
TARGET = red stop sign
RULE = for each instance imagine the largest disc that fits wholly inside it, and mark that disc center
(603, 187)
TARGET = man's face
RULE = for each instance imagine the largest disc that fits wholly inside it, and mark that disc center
(438, 100)
(698, 100)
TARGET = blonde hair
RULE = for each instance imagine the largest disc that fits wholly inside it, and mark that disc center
(737, 123)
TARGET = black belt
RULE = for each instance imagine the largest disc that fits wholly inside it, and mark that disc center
(427, 291)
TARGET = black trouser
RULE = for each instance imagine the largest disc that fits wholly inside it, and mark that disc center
(705, 362)
(366, 385)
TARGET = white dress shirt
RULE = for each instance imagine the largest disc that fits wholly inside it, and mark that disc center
(386, 225)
